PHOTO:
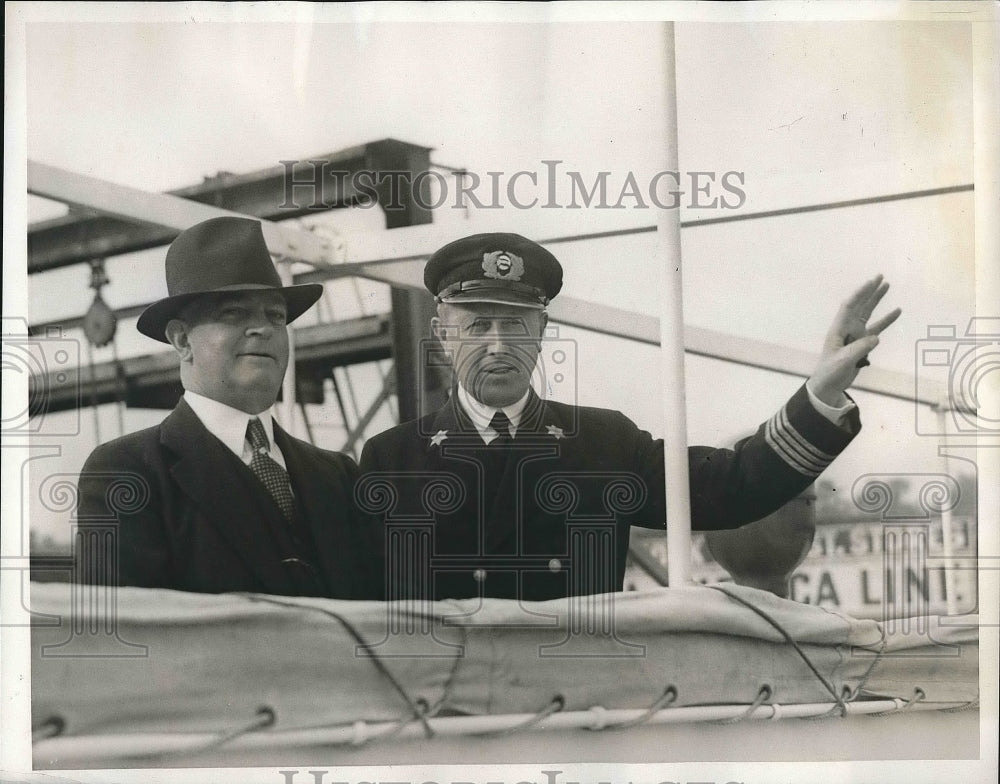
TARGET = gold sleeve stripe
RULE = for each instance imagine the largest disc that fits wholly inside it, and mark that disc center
(791, 447)
(786, 426)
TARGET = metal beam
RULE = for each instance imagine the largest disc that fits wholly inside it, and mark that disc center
(607, 320)
(401, 271)
(76, 322)
(266, 193)
(616, 322)
(365, 419)
(744, 351)
(406, 272)
(164, 210)
(422, 386)
(153, 380)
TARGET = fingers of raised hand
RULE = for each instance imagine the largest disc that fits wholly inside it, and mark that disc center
(867, 296)
(858, 349)
(853, 317)
(877, 327)
(870, 295)
(875, 298)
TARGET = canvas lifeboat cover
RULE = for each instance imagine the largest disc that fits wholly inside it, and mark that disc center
(178, 662)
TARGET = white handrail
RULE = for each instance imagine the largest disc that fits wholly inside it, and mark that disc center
(105, 747)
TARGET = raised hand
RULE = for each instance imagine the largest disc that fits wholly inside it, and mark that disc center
(849, 341)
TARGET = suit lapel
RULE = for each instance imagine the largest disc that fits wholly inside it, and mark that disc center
(318, 490)
(208, 473)
(533, 416)
(450, 423)
(453, 445)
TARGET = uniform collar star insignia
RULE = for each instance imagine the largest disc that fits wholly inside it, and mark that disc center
(554, 431)
(438, 437)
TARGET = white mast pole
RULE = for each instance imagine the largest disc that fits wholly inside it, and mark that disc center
(668, 235)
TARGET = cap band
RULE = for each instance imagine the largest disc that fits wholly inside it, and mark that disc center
(481, 285)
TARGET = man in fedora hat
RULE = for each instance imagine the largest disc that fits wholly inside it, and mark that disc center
(222, 499)
(533, 499)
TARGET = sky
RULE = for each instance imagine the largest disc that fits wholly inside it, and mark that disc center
(159, 96)
(806, 113)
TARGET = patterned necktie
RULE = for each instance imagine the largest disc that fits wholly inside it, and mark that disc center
(501, 424)
(274, 477)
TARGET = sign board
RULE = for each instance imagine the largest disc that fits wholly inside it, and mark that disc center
(864, 569)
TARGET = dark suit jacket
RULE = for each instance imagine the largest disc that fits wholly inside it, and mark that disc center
(550, 515)
(192, 517)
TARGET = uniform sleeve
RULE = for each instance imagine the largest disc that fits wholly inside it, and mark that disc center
(732, 487)
(113, 489)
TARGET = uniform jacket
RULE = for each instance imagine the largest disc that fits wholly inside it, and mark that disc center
(550, 516)
(192, 516)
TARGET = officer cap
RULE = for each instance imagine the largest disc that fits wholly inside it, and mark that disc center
(506, 269)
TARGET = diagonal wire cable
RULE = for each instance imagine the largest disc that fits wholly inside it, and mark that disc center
(264, 717)
(415, 709)
(788, 638)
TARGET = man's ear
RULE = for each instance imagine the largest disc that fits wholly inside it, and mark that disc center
(177, 334)
(443, 331)
(437, 328)
(541, 332)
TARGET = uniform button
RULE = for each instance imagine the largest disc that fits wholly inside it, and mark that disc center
(555, 565)
(479, 575)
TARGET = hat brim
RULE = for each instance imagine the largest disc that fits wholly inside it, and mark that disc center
(153, 321)
(495, 296)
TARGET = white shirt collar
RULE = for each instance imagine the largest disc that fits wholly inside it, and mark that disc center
(229, 425)
(481, 414)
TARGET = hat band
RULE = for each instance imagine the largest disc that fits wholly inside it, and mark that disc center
(481, 285)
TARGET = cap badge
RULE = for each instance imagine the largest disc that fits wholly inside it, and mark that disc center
(502, 265)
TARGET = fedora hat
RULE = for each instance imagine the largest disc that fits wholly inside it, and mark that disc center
(216, 256)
